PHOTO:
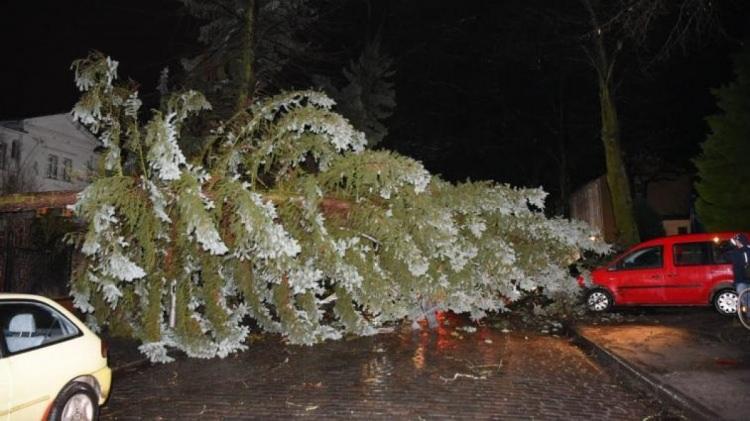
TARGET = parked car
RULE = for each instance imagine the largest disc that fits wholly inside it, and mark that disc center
(51, 365)
(679, 270)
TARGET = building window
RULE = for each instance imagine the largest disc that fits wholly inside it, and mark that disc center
(67, 169)
(3, 152)
(52, 167)
(15, 151)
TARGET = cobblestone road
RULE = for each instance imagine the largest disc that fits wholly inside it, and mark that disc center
(448, 373)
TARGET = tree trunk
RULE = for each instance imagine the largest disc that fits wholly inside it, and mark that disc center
(617, 176)
(246, 60)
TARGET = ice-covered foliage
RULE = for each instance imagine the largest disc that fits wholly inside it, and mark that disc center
(292, 223)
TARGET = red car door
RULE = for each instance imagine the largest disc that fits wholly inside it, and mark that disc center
(687, 273)
(719, 271)
(639, 277)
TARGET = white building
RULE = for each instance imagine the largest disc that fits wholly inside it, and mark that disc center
(47, 153)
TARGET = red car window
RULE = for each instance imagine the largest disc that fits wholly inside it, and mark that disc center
(690, 254)
(645, 258)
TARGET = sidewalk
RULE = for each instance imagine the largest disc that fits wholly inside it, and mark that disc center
(695, 357)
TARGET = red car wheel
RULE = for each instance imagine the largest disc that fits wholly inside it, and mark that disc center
(599, 300)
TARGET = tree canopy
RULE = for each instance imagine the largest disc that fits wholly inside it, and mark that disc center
(291, 223)
(724, 184)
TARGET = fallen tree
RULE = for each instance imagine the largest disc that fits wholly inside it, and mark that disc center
(287, 219)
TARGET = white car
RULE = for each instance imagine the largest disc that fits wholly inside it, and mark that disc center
(51, 366)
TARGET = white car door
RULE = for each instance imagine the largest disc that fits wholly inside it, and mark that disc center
(5, 389)
(30, 396)
(41, 346)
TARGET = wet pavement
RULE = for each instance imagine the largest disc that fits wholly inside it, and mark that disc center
(695, 356)
(492, 373)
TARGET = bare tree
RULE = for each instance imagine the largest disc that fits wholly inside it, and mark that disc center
(15, 174)
(609, 27)
(16, 179)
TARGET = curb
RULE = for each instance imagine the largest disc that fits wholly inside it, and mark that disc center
(641, 379)
(129, 367)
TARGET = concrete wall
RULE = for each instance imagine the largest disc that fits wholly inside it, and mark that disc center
(676, 226)
(668, 198)
(592, 203)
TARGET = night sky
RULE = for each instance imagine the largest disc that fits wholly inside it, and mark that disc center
(480, 85)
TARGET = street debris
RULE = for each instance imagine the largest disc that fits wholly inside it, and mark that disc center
(476, 371)
(308, 408)
(459, 375)
(317, 385)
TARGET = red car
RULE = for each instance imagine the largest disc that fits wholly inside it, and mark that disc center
(680, 270)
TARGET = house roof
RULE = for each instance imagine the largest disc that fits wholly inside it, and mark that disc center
(61, 124)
